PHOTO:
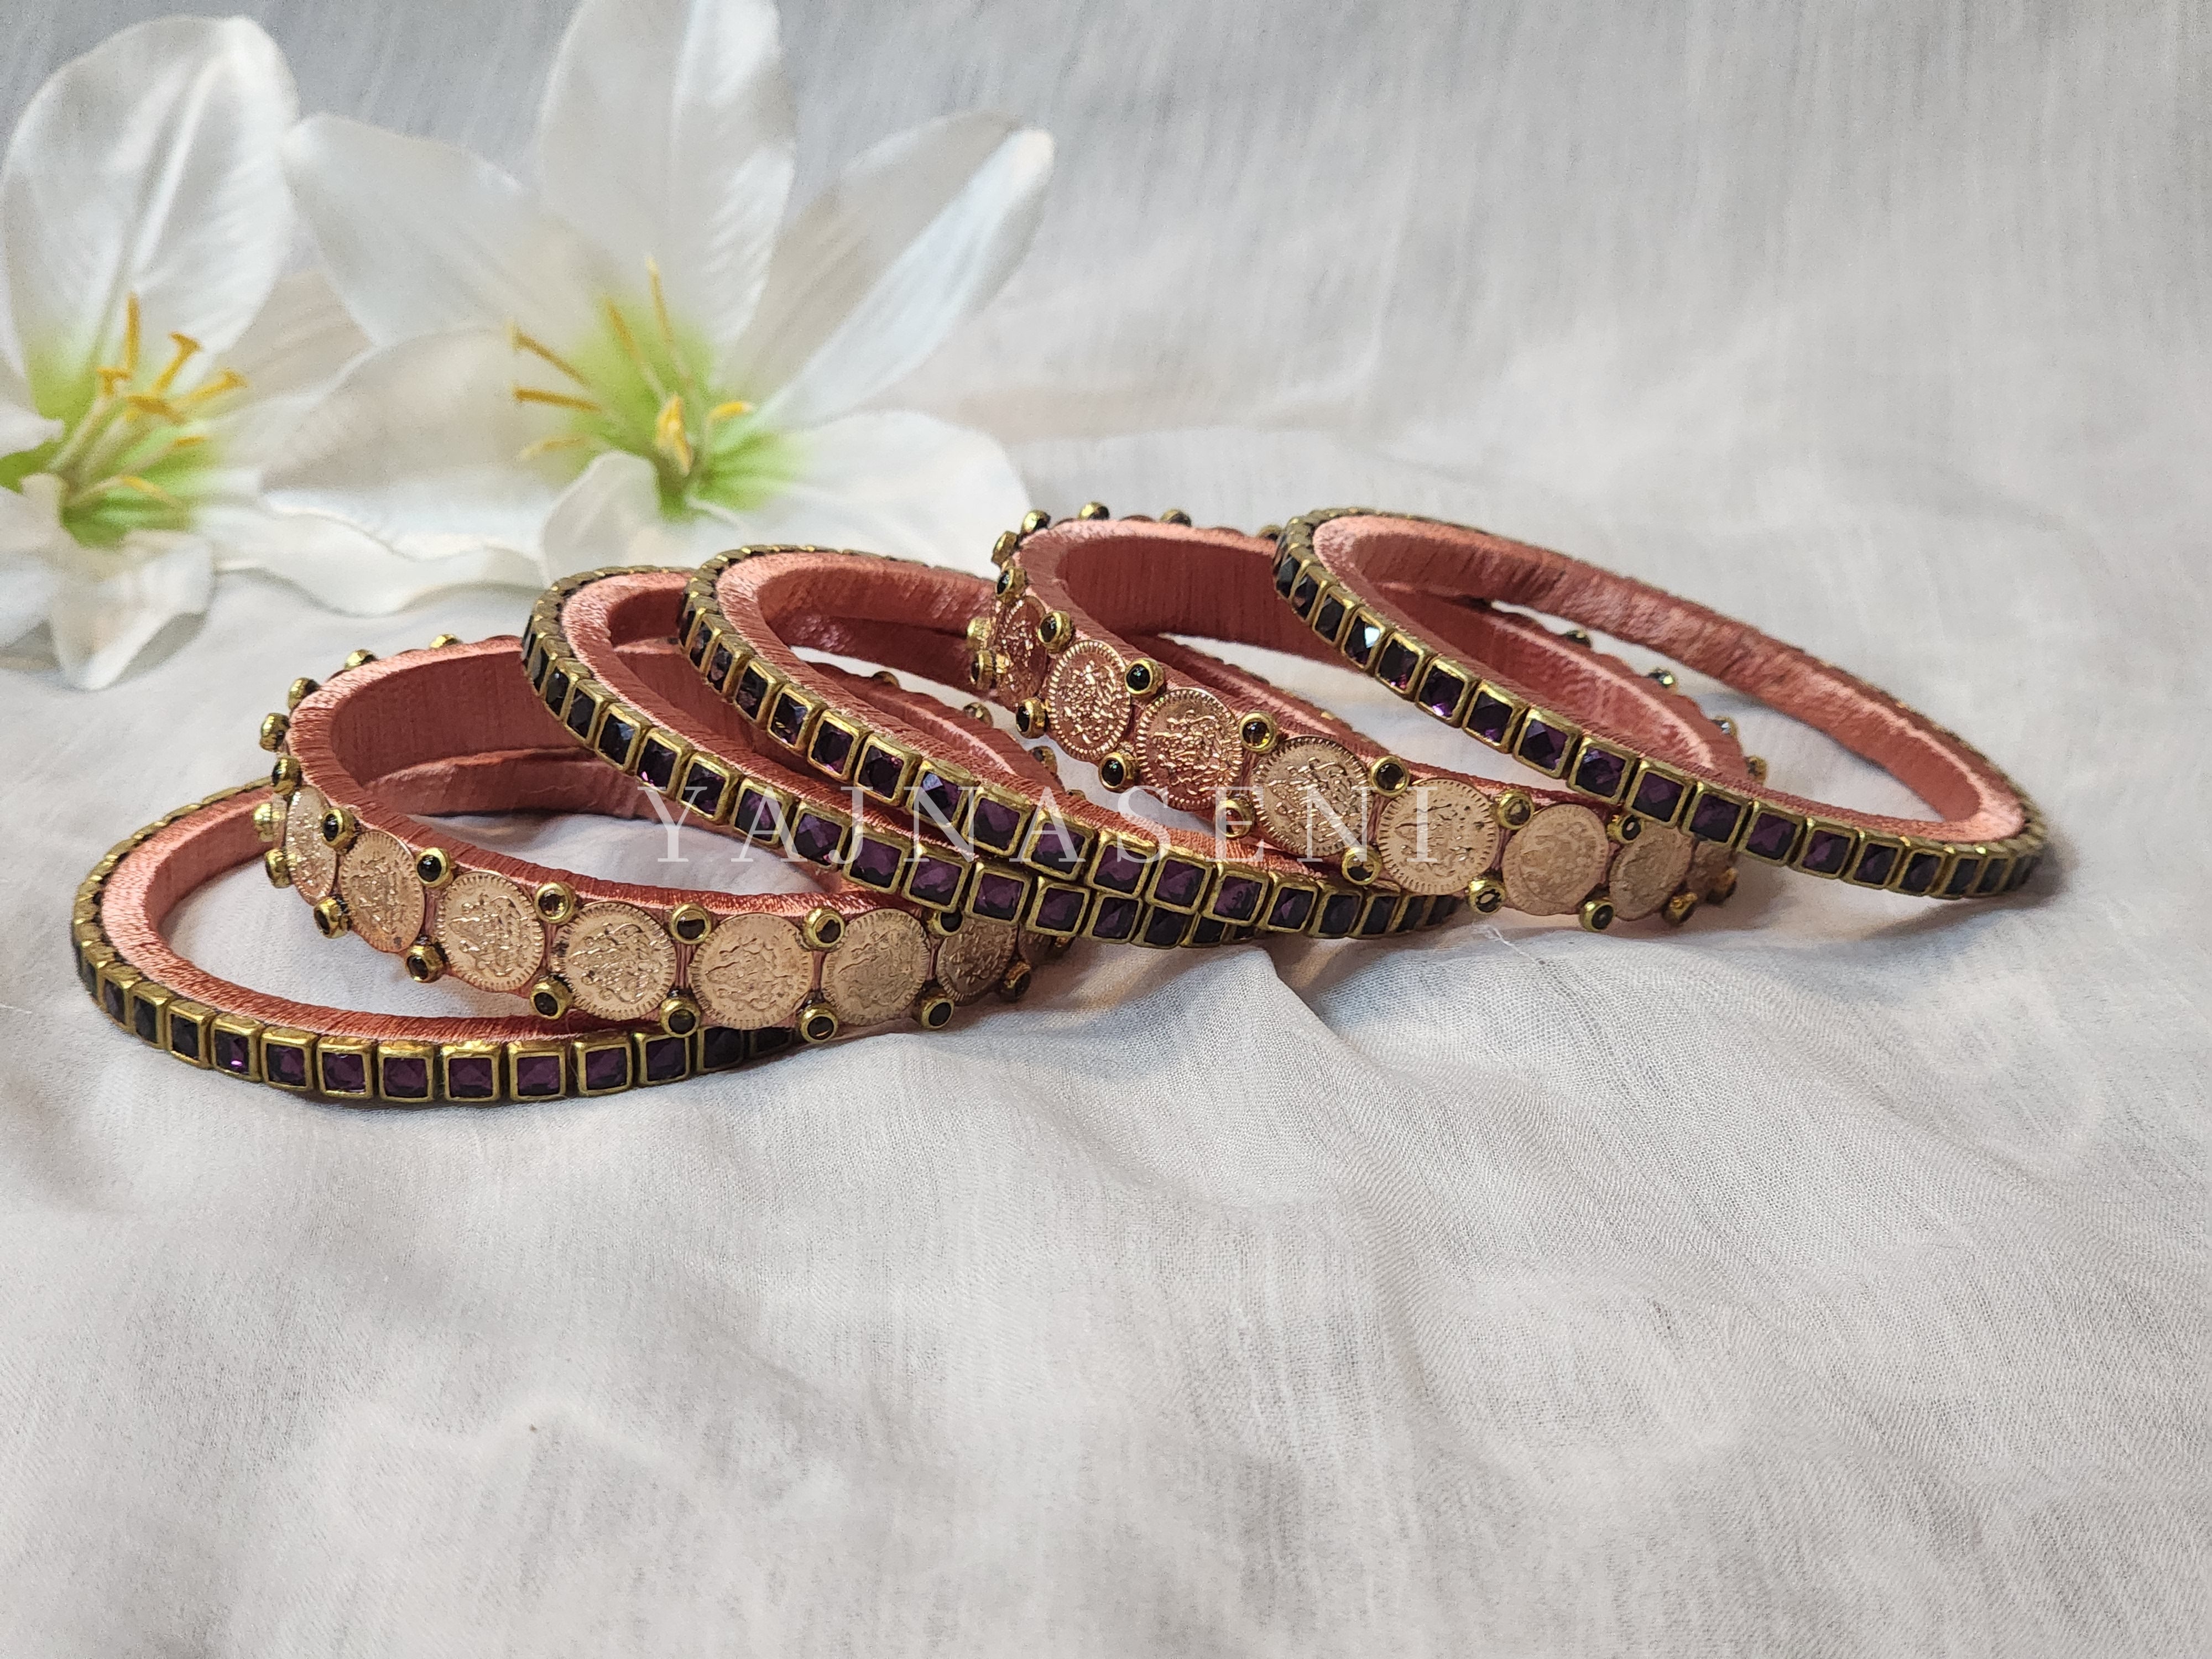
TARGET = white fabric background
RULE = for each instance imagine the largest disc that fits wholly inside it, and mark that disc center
(1827, 1278)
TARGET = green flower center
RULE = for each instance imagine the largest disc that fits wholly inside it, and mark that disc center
(135, 450)
(644, 385)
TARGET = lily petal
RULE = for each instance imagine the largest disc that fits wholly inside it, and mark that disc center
(346, 568)
(31, 536)
(102, 622)
(895, 482)
(416, 445)
(611, 515)
(147, 166)
(298, 345)
(422, 237)
(917, 235)
(666, 132)
(22, 427)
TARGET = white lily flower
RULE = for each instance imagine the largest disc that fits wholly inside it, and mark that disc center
(634, 367)
(149, 354)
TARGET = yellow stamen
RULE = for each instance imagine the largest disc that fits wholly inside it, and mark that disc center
(629, 345)
(530, 394)
(228, 380)
(130, 336)
(132, 480)
(112, 378)
(669, 436)
(667, 328)
(519, 341)
(728, 411)
(530, 452)
(148, 403)
(187, 348)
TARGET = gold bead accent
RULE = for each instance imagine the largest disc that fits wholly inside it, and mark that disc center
(440, 642)
(284, 777)
(426, 962)
(1016, 985)
(1389, 775)
(300, 690)
(548, 999)
(1257, 732)
(1514, 808)
(1665, 676)
(816, 1023)
(1579, 635)
(340, 827)
(979, 635)
(1596, 913)
(1723, 884)
(1144, 677)
(1044, 756)
(273, 727)
(1056, 630)
(267, 826)
(1035, 520)
(434, 866)
(1118, 770)
(933, 1011)
(679, 1015)
(1679, 908)
(1487, 894)
(688, 923)
(1175, 515)
(331, 917)
(1622, 827)
(978, 711)
(1237, 817)
(942, 924)
(1360, 865)
(1013, 581)
(357, 660)
(1093, 510)
(824, 928)
(1003, 549)
(1032, 718)
(274, 866)
(982, 670)
(555, 901)
(1756, 765)
(1726, 725)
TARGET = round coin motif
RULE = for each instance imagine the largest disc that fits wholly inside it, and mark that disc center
(972, 960)
(1089, 704)
(490, 931)
(618, 962)
(1186, 747)
(1438, 837)
(878, 968)
(753, 972)
(1311, 797)
(1552, 863)
(376, 879)
(310, 859)
(1647, 872)
(1014, 634)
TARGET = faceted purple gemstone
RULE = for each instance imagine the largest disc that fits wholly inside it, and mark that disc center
(771, 1039)
(617, 735)
(145, 1019)
(1058, 909)
(1207, 931)
(879, 772)
(1489, 718)
(1115, 918)
(814, 838)
(1417, 909)
(999, 896)
(1543, 746)
(344, 1073)
(1164, 928)
(232, 1051)
(284, 1063)
(1993, 875)
(1286, 574)
(759, 813)
(942, 794)
(1599, 772)
(557, 689)
(582, 709)
(607, 1068)
(788, 719)
(1361, 639)
(1179, 882)
(1715, 817)
(995, 824)
(718, 671)
(1442, 688)
(721, 1047)
(1397, 666)
(537, 1076)
(1380, 909)
(1119, 870)
(1328, 621)
(702, 789)
(1057, 848)
(110, 997)
(1920, 872)
(656, 762)
(1826, 852)
(1962, 878)
(831, 748)
(1292, 907)
(1658, 796)
(472, 1077)
(1302, 592)
(1876, 862)
(699, 642)
(406, 1077)
(874, 863)
(1770, 835)
(1237, 898)
(1338, 915)
(934, 881)
(184, 1038)
(752, 686)
(666, 1058)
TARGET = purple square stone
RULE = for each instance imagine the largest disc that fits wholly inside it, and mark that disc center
(1056, 848)
(1714, 818)
(1411, 917)
(1658, 796)
(1302, 594)
(1361, 639)
(788, 719)
(759, 813)
(1207, 931)
(284, 1063)
(702, 789)
(1770, 835)
(999, 896)
(1286, 574)
(1489, 718)
(666, 1058)
(934, 881)
(1920, 872)
(1338, 915)
(814, 838)
(1962, 878)
(700, 639)
(184, 1038)
(472, 1077)
(557, 689)
(1876, 860)
(1119, 870)
(1993, 875)
(145, 1019)
(344, 1073)
(831, 748)
(617, 735)
(1165, 928)
(406, 1077)
(940, 793)
(232, 1051)
(721, 1047)
(110, 997)
(879, 772)
(752, 686)
(1115, 918)
(1380, 910)
(1237, 898)
(1827, 851)
(1292, 907)
(1180, 884)
(995, 824)
(1599, 772)
(874, 863)
(723, 660)
(1058, 909)
(1395, 667)
(537, 1076)
(607, 1068)
(656, 762)
(1328, 620)
(1543, 746)
(1442, 688)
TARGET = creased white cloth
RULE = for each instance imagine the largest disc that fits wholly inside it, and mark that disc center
(1828, 1278)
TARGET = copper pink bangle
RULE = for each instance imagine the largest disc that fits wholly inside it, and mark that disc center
(1345, 572)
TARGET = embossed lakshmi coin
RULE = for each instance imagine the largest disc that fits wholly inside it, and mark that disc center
(752, 971)
(1311, 797)
(1014, 633)
(312, 861)
(1438, 837)
(1646, 872)
(878, 969)
(1088, 702)
(619, 962)
(1186, 747)
(376, 879)
(972, 960)
(1553, 861)
(490, 931)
